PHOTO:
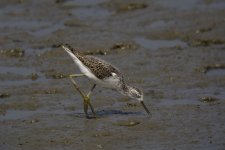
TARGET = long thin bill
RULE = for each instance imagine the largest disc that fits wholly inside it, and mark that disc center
(146, 109)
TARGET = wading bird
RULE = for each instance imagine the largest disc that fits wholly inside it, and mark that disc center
(102, 73)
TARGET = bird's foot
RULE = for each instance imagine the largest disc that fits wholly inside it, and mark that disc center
(86, 104)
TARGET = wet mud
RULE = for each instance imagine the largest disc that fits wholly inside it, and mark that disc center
(173, 50)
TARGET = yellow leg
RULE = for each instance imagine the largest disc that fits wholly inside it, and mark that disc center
(88, 99)
(85, 97)
(75, 84)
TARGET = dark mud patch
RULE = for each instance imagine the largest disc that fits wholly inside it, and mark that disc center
(74, 23)
(52, 73)
(123, 7)
(123, 47)
(96, 52)
(17, 53)
(4, 95)
(24, 106)
(209, 100)
(203, 30)
(28, 105)
(209, 68)
(46, 91)
(206, 42)
(117, 48)
(33, 76)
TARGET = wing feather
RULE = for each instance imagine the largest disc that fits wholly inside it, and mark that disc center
(100, 68)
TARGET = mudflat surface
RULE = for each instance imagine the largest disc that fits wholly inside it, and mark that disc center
(173, 50)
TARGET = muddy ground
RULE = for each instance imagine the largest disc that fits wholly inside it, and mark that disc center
(173, 50)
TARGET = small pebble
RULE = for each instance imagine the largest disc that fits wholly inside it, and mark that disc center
(126, 123)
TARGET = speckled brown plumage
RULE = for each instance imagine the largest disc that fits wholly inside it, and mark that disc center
(100, 68)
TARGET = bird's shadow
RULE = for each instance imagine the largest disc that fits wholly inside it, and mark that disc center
(106, 113)
(115, 112)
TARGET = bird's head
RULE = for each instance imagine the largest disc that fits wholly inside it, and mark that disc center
(137, 94)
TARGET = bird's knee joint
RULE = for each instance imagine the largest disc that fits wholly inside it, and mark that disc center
(86, 99)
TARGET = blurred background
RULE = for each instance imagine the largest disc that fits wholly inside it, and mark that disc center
(173, 50)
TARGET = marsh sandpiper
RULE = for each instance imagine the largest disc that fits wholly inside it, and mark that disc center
(102, 73)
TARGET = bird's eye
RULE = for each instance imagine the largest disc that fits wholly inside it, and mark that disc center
(138, 96)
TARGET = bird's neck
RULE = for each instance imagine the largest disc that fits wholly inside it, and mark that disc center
(125, 89)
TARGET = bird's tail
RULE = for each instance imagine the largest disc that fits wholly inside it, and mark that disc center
(69, 48)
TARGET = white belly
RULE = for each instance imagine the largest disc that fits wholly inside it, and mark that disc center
(109, 82)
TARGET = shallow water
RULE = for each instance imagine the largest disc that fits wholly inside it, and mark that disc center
(162, 47)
